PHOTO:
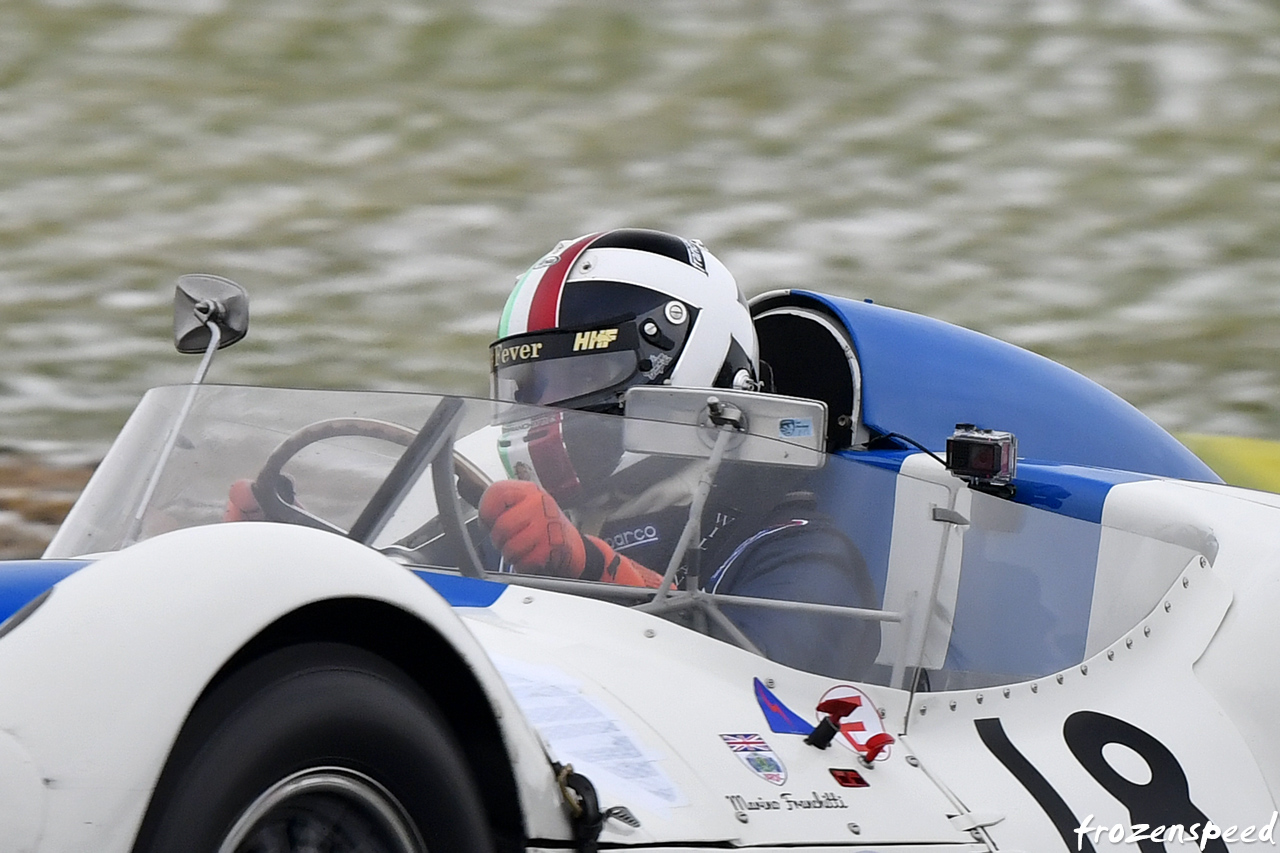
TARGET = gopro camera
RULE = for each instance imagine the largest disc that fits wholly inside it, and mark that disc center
(982, 457)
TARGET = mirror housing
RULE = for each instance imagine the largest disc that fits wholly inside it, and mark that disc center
(768, 428)
(201, 298)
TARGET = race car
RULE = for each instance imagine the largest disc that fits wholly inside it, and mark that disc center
(1064, 648)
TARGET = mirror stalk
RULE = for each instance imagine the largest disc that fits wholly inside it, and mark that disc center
(201, 304)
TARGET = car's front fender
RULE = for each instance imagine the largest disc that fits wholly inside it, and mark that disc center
(100, 678)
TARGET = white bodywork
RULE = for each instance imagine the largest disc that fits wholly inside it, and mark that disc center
(1175, 645)
(117, 657)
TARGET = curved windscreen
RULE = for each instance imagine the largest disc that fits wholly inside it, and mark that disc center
(839, 565)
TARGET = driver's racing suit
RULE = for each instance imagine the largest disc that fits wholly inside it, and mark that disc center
(794, 552)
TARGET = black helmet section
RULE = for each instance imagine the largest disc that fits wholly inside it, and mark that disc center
(656, 242)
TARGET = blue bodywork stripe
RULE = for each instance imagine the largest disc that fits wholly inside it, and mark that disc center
(23, 580)
(889, 460)
(1068, 490)
(461, 591)
(1072, 490)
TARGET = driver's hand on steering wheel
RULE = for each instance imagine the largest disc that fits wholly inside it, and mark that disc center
(242, 505)
(536, 537)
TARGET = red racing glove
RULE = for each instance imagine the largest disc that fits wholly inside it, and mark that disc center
(242, 505)
(535, 536)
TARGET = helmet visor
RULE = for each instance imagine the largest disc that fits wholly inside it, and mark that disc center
(560, 367)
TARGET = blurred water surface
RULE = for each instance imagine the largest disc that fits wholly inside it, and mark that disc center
(1094, 179)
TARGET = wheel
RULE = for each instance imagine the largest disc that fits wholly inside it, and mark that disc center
(321, 748)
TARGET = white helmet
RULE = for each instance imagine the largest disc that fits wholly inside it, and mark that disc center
(619, 308)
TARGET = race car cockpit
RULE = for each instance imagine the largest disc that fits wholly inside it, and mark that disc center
(968, 587)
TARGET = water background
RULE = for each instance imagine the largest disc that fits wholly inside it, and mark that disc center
(1096, 180)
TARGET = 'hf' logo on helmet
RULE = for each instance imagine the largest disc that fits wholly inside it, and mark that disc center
(594, 340)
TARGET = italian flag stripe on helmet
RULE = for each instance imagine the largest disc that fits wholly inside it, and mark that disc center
(535, 302)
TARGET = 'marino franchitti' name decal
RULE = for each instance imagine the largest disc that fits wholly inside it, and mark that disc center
(786, 802)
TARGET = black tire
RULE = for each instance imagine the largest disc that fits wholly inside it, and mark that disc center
(316, 740)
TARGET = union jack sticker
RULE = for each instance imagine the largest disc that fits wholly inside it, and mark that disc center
(756, 754)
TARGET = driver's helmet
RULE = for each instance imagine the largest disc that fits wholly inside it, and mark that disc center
(619, 308)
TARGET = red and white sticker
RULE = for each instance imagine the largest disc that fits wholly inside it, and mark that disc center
(861, 730)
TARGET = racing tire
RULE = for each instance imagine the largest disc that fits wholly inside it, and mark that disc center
(317, 747)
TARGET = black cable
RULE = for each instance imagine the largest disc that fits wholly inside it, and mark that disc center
(917, 445)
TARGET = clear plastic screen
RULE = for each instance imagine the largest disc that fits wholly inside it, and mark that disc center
(805, 562)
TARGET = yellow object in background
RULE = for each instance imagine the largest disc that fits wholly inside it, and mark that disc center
(1250, 462)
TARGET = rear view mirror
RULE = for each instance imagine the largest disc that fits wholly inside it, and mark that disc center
(768, 428)
(209, 312)
(200, 299)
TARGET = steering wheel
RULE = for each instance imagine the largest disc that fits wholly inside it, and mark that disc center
(455, 480)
